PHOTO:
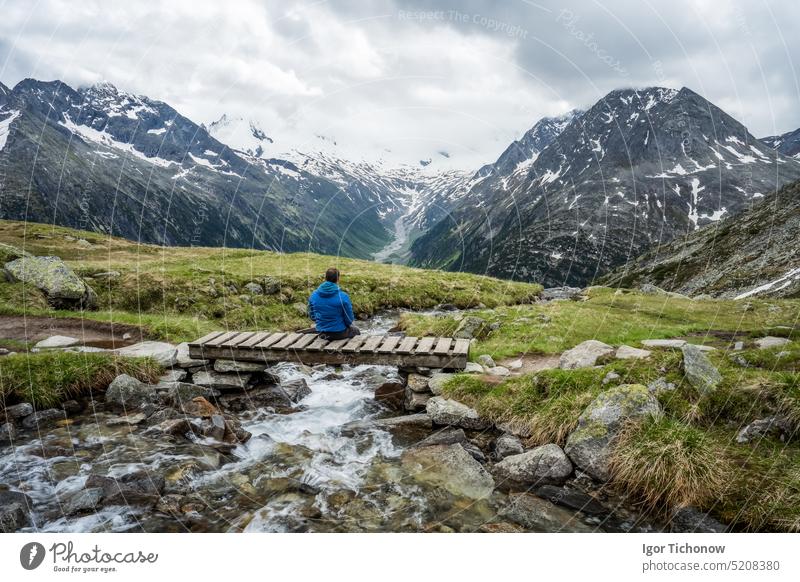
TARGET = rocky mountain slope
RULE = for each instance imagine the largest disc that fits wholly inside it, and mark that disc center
(636, 170)
(788, 144)
(756, 253)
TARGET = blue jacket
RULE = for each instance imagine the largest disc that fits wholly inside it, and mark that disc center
(330, 308)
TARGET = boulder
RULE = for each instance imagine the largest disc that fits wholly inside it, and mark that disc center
(446, 436)
(136, 488)
(584, 355)
(692, 520)
(260, 397)
(629, 353)
(469, 327)
(417, 383)
(391, 395)
(542, 465)
(85, 500)
(63, 288)
(765, 343)
(554, 293)
(589, 446)
(179, 392)
(407, 420)
(473, 368)
(42, 418)
(128, 393)
(220, 381)
(183, 360)
(225, 366)
(449, 467)
(449, 412)
(660, 385)
(415, 401)
(10, 253)
(296, 389)
(57, 341)
(664, 343)
(699, 371)
(515, 364)
(174, 375)
(539, 515)
(573, 499)
(127, 419)
(199, 406)
(271, 285)
(500, 371)
(217, 427)
(437, 381)
(486, 361)
(254, 288)
(19, 410)
(774, 426)
(162, 352)
(8, 432)
(506, 445)
(15, 511)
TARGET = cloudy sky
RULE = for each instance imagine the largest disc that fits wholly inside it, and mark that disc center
(406, 80)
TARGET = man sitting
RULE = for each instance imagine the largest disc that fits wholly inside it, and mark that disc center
(331, 310)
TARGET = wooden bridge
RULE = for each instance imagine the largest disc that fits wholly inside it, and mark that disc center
(309, 348)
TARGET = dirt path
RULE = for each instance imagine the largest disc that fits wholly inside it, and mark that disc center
(532, 363)
(93, 333)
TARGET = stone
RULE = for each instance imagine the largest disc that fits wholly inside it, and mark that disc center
(85, 500)
(128, 419)
(469, 327)
(107, 275)
(408, 420)
(449, 412)
(163, 353)
(692, 520)
(539, 515)
(19, 410)
(175, 375)
(664, 343)
(500, 371)
(515, 364)
(128, 393)
(15, 511)
(254, 288)
(180, 392)
(560, 293)
(217, 430)
(391, 395)
(738, 346)
(769, 341)
(417, 383)
(611, 377)
(296, 389)
(447, 436)
(260, 397)
(8, 432)
(271, 285)
(221, 381)
(300, 309)
(437, 381)
(57, 341)
(774, 426)
(136, 488)
(572, 498)
(474, 451)
(10, 253)
(629, 353)
(546, 464)
(42, 418)
(486, 361)
(449, 467)
(238, 366)
(699, 371)
(178, 427)
(506, 445)
(589, 446)
(415, 401)
(660, 385)
(199, 406)
(584, 355)
(63, 288)
(183, 360)
(651, 289)
(500, 527)
(473, 368)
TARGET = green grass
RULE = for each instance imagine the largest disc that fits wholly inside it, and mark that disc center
(49, 378)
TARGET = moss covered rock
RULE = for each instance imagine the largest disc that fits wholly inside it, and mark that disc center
(64, 289)
(590, 444)
(10, 253)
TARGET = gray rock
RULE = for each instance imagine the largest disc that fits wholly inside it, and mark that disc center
(469, 327)
(19, 410)
(589, 446)
(272, 396)
(107, 275)
(217, 428)
(296, 389)
(506, 445)
(137, 488)
(774, 426)
(128, 393)
(437, 381)
(474, 451)
(692, 520)
(175, 375)
(415, 401)
(651, 289)
(500, 371)
(85, 500)
(664, 343)
(573, 499)
(300, 309)
(417, 383)
(539, 515)
(447, 436)
(42, 418)
(162, 352)
(562, 293)
(391, 394)
(660, 385)
(221, 381)
(63, 288)
(225, 366)
(486, 361)
(449, 467)
(515, 364)
(271, 285)
(449, 412)
(8, 433)
(408, 420)
(629, 353)
(768, 342)
(127, 420)
(183, 359)
(179, 393)
(738, 346)
(473, 368)
(699, 371)
(584, 355)
(254, 288)
(542, 465)
(611, 377)
(15, 511)
(57, 341)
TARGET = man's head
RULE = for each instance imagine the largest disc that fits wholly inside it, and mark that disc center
(332, 275)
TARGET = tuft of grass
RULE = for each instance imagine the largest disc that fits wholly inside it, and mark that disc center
(49, 378)
(785, 358)
(664, 463)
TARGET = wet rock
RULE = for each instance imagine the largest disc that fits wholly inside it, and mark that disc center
(63, 288)
(660, 385)
(539, 515)
(15, 511)
(162, 352)
(84, 501)
(180, 426)
(700, 372)
(128, 393)
(296, 389)
(43, 418)
(136, 488)
(449, 412)
(561, 293)
(199, 406)
(584, 355)
(19, 410)
(238, 366)
(768, 342)
(473, 368)
(774, 426)
(486, 361)
(264, 397)
(407, 421)
(417, 383)
(692, 520)
(629, 353)
(175, 375)
(437, 381)
(506, 445)
(178, 393)
(469, 327)
(664, 343)
(572, 498)
(234, 433)
(391, 395)
(449, 467)
(183, 360)
(590, 444)
(217, 428)
(415, 401)
(500, 371)
(546, 464)
(220, 381)
(8, 433)
(128, 419)
(500, 527)
(447, 436)
(57, 341)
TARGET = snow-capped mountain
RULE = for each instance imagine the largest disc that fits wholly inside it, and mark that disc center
(637, 169)
(788, 144)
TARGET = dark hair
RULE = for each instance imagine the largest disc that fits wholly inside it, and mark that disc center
(332, 275)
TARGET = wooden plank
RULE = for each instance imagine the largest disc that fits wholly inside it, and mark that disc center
(208, 337)
(303, 341)
(389, 345)
(235, 341)
(354, 344)
(442, 345)
(317, 345)
(336, 345)
(425, 345)
(407, 345)
(461, 347)
(371, 344)
(287, 341)
(220, 339)
(254, 339)
(272, 339)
